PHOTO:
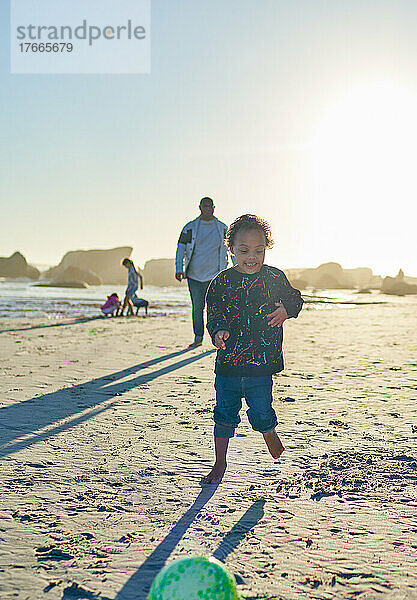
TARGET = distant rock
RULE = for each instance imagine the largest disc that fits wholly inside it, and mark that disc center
(390, 285)
(360, 277)
(16, 266)
(375, 283)
(328, 275)
(161, 272)
(298, 284)
(332, 275)
(76, 274)
(397, 285)
(101, 266)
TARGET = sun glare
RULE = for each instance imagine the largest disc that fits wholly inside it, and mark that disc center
(363, 163)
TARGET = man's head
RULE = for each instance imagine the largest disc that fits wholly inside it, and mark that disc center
(206, 208)
(126, 262)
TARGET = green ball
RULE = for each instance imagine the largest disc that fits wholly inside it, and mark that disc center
(194, 578)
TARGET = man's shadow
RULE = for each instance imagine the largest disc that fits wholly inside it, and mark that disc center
(65, 324)
(137, 587)
(29, 418)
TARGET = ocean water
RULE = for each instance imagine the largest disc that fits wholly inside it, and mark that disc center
(20, 298)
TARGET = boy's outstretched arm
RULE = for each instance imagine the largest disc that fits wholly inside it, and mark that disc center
(216, 321)
(278, 316)
(288, 304)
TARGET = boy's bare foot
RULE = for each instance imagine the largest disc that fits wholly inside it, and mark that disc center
(274, 444)
(215, 475)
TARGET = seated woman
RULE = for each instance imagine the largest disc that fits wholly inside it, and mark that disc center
(132, 286)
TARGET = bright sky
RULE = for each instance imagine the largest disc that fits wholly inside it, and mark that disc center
(303, 112)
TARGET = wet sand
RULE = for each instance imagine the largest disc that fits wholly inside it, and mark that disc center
(105, 430)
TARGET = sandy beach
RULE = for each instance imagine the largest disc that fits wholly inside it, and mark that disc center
(106, 428)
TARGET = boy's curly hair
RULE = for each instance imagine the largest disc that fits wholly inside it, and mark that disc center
(247, 222)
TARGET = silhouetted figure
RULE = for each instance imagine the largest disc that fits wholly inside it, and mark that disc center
(201, 254)
(132, 286)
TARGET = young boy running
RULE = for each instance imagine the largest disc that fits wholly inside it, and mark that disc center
(246, 307)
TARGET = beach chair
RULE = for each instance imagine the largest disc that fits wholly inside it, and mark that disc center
(140, 303)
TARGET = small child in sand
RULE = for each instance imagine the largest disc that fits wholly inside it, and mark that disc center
(111, 305)
(246, 307)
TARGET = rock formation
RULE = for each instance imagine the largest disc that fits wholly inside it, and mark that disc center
(92, 266)
(294, 278)
(327, 275)
(76, 274)
(397, 285)
(16, 266)
(161, 272)
(360, 277)
(332, 275)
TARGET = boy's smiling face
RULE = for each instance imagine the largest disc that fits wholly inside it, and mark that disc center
(249, 250)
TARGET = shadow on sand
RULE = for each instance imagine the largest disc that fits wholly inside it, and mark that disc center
(137, 587)
(76, 404)
(65, 324)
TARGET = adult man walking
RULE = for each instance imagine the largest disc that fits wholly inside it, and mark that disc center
(201, 254)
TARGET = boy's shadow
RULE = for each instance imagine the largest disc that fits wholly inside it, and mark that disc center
(137, 587)
(29, 418)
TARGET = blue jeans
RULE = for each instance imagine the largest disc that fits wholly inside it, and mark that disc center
(229, 393)
(198, 291)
